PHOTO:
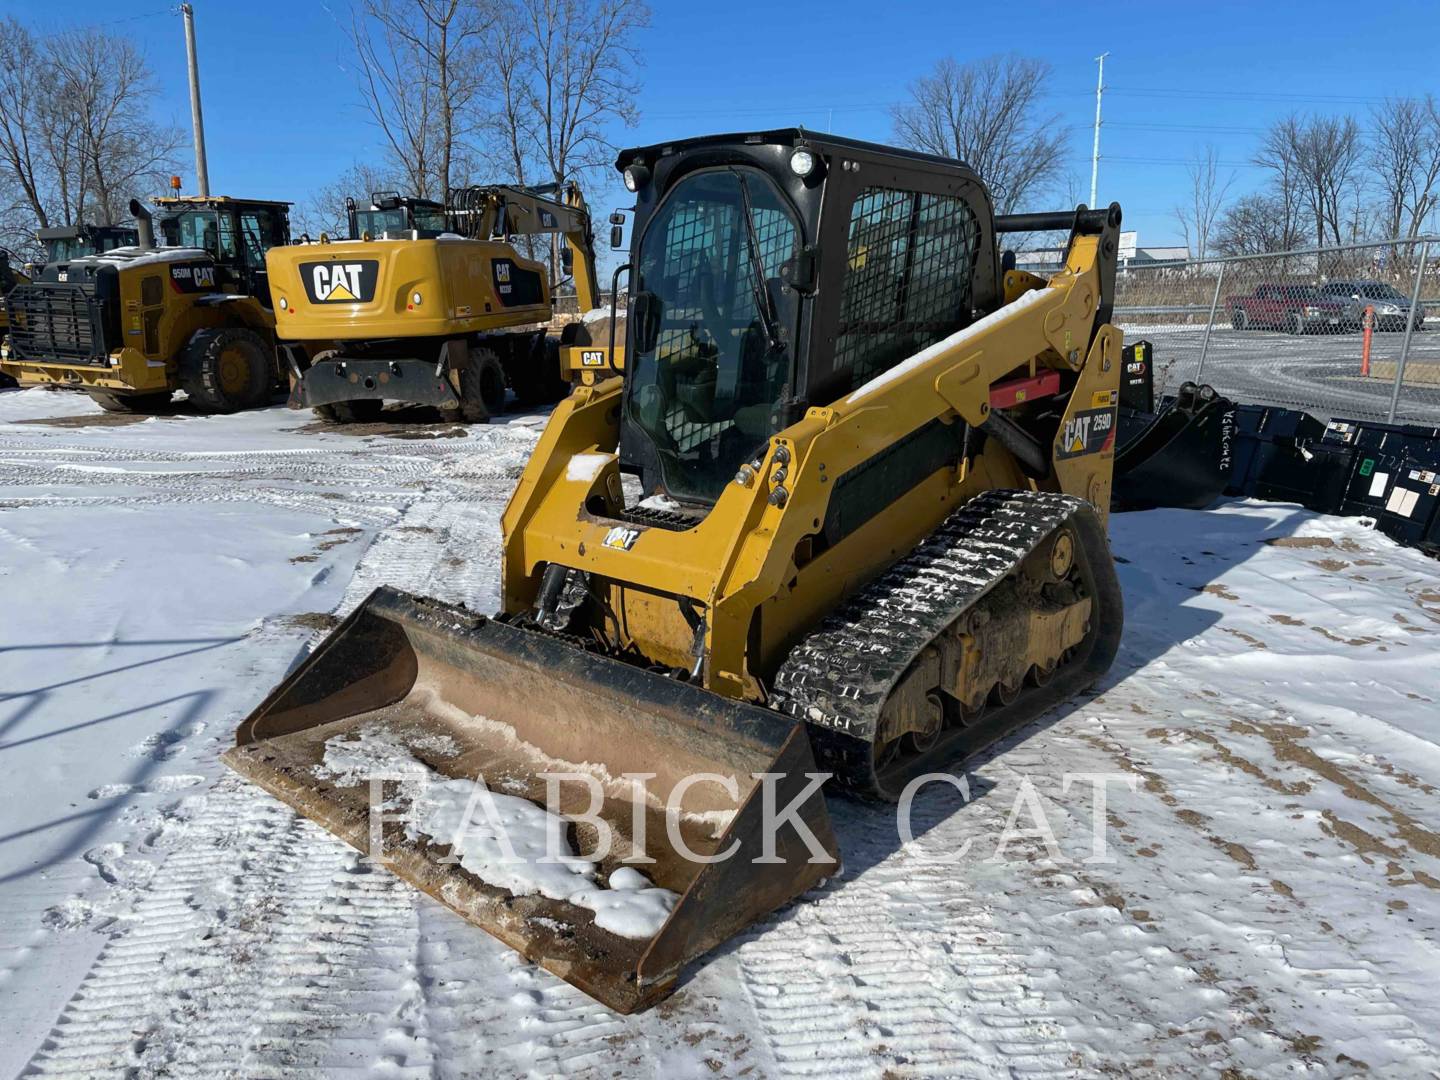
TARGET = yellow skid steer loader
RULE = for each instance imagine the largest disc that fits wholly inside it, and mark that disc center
(844, 516)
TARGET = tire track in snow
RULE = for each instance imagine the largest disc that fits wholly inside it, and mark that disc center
(153, 1002)
(1292, 966)
(906, 966)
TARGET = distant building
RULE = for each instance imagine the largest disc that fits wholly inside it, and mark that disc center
(1048, 260)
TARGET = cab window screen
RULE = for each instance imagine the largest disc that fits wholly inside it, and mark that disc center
(910, 266)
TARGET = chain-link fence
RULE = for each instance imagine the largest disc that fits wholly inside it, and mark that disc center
(1290, 328)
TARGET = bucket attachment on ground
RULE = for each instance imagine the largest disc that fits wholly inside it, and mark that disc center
(1179, 457)
(436, 691)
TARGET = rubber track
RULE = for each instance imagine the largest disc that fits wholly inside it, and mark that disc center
(838, 679)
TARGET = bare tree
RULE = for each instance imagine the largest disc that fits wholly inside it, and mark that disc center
(1255, 224)
(77, 138)
(103, 91)
(562, 73)
(324, 210)
(421, 75)
(1314, 162)
(1206, 196)
(1278, 152)
(1405, 160)
(988, 115)
(22, 105)
(565, 71)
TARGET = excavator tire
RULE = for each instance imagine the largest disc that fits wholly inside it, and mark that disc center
(536, 375)
(960, 581)
(360, 411)
(482, 389)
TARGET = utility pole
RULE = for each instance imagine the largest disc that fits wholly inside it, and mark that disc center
(1095, 153)
(202, 173)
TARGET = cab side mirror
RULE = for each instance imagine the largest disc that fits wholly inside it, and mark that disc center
(617, 231)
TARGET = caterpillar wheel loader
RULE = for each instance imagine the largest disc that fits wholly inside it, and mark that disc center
(132, 325)
(431, 317)
(844, 516)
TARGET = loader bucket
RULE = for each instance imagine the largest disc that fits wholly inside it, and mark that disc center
(467, 696)
(1179, 458)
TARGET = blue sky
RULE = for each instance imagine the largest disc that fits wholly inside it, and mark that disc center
(282, 115)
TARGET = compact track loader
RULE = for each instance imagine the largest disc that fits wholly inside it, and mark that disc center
(131, 325)
(431, 318)
(843, 516)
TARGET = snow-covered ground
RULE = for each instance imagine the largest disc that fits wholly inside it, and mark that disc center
(1268, 903)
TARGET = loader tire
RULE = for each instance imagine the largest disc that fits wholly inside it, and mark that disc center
(130, 403)
(226, 369)
(362, 411)
(482, 389)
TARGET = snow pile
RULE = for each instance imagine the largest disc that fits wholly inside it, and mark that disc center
(504, 840)
(586, 467)
(351, 762)
(138, 256)
(660, 501)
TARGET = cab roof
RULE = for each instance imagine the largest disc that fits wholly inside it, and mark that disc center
(214, 200)
(789, 137)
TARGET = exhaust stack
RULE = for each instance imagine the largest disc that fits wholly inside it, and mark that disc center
(143, 224)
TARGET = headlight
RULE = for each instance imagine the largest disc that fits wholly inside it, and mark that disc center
(802, 161)
(1312, 311)
(284, 304)
(636, 176)
(1389, 309)
(416, 299)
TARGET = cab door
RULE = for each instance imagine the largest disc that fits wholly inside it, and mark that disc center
(260, 229)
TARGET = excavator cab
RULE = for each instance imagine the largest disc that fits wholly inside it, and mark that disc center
(391, 213)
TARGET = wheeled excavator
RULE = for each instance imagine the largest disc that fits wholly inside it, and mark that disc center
(445, 317)
(844, 518)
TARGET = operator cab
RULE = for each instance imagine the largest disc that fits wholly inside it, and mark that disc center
(66, 242)
(730, 335)
(392, 214)
(237, 232)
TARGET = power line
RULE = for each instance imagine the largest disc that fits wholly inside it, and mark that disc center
(1242, 95)
(1217, 129)
(174, 9)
